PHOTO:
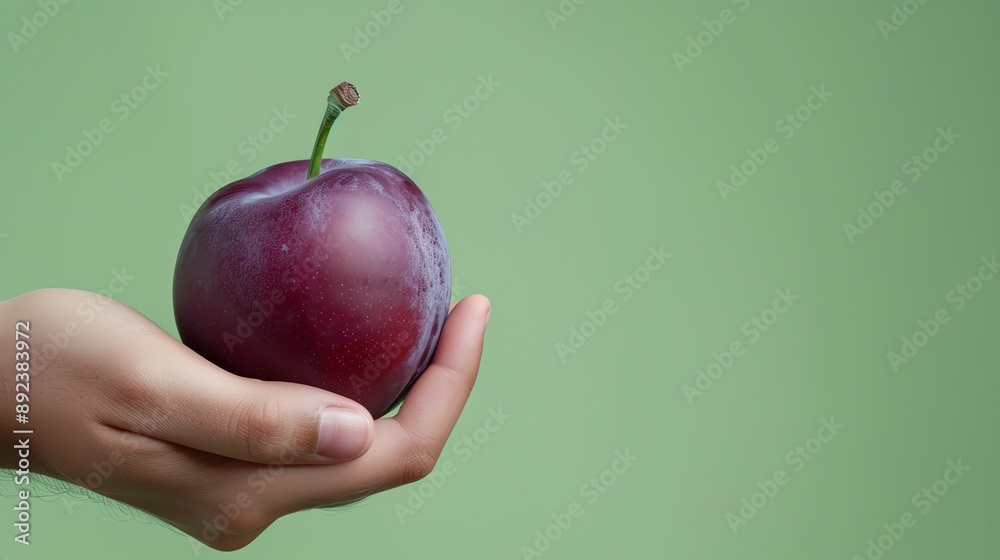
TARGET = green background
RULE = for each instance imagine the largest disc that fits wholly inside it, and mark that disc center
(655, 185)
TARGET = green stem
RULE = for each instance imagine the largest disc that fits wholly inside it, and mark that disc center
(341, 97)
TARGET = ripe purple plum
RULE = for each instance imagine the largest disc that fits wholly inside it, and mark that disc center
(329, 272)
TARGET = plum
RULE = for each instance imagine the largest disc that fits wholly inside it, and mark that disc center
(329, 272)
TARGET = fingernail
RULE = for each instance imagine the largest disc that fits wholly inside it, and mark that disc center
(488, 310)
(343, 433)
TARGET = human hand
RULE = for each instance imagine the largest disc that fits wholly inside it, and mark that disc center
(129, 412)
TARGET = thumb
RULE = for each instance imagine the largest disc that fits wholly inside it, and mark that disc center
(182, 398)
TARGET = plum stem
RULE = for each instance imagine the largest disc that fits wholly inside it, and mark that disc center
(341, 97)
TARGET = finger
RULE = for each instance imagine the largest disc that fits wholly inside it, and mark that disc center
(406, 446)
(433, 405)
(177, 396)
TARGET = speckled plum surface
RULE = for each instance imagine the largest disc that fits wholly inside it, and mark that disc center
(341, 282)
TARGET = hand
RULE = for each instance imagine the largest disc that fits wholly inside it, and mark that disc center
(129, 412)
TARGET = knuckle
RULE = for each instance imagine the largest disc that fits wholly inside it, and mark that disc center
(223, 545)
(228, 530)
(463, 382)
(249, 520)
(257, 425)
(418, 462)
(133, 386)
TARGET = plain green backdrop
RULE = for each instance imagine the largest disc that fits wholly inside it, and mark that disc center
(694, 89)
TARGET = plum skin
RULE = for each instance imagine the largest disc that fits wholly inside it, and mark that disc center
(341, 282)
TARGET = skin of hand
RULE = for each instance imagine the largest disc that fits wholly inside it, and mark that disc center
(129, 412)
